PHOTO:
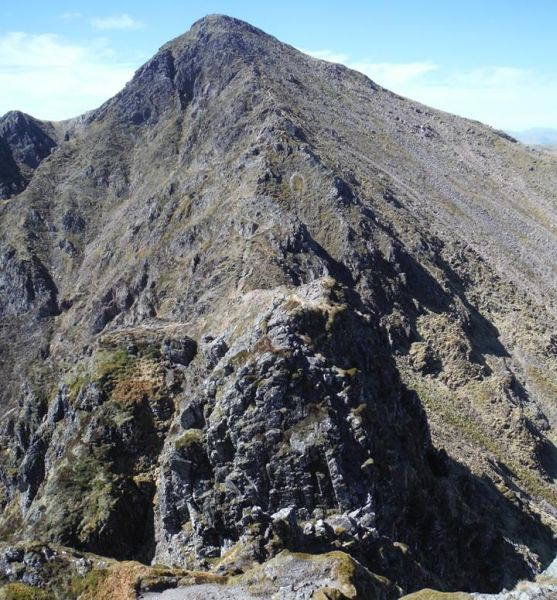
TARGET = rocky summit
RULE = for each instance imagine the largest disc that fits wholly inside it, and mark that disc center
(269, 330)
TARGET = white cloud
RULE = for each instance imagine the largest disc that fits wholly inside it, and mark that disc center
(122, 21)
(70, 16)
(393, 74)
(384, 73)
(502, 96)
(328, 55)
(492, 77)
(506, 107)
(54, 79)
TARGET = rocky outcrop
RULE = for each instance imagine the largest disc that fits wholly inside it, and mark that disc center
(48, 571)
(45, 571)
(304, 437)
(11, 180)
(24, 143)
(544, 586)
(29, 139)
(257, 306)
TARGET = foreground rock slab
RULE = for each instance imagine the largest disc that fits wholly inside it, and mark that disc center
(35, 570)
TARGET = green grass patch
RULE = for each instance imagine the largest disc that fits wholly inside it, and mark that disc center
(189, 438)
(20, 591)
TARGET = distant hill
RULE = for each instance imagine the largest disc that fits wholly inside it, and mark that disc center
(536, 136)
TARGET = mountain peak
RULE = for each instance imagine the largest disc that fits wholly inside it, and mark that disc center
(26, 141)
(215, 24)
(218, 21)
(255, 303)
(12, 115)
(216, 51)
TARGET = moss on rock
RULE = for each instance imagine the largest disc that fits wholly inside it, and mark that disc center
(428, 594)
(20, 591)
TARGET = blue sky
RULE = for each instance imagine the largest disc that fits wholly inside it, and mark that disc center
(491, 60)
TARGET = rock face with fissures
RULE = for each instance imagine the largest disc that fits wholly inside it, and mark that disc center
(260, 315)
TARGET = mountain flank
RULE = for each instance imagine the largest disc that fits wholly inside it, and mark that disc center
(278, 329)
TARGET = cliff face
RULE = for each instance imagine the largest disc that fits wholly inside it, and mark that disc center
(24, 143)
(256, 303)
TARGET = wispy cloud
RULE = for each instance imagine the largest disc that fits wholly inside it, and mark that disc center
(392, 74)
(384, 73)
(70, 16)
(503, 96)
(54, 79)
(493, 77)
(328, 55)
(122, 21)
